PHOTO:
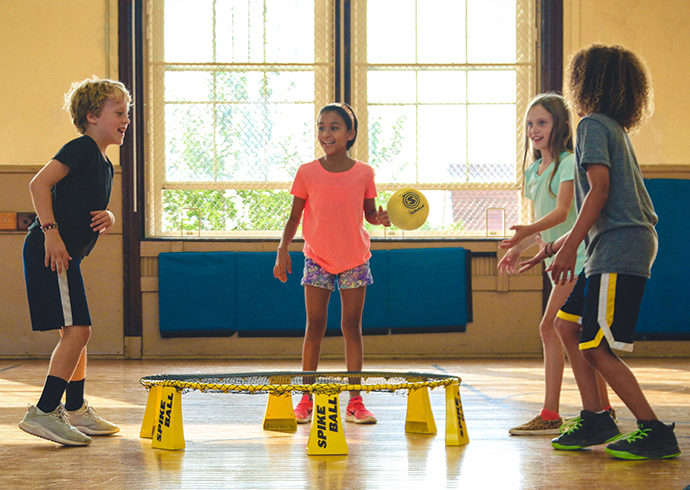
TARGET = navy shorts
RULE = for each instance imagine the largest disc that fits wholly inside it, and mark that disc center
(55, 300)
(606, 305)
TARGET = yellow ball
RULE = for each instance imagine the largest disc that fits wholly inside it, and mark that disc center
(408, 209)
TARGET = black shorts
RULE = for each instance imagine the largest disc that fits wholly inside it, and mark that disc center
(606, 305)
(55, 300)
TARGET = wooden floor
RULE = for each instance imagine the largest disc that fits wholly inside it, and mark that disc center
(227, 448)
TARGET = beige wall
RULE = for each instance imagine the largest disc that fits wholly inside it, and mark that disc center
(47, 44)
(102, 271)
(658, 33)
(44, 47)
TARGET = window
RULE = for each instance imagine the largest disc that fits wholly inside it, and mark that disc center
(234, 87)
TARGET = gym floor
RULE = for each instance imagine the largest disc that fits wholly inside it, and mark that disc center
(226, 446)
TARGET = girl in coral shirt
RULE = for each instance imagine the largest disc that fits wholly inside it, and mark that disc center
(335, 193)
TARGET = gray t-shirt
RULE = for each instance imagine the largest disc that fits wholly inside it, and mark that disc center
(623, 239)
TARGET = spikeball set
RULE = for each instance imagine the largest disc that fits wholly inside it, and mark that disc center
(408, 209)
(163, 417)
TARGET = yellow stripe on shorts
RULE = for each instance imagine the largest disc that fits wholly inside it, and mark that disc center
(605, 311)
(594, 342)
(569, 317)
(610, 297)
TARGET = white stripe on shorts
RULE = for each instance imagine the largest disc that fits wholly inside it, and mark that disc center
(64, 298)
(607, 302)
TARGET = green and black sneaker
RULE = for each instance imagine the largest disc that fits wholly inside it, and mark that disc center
(589, 429)
(652, 440)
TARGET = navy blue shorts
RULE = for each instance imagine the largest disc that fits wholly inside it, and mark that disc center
(606, 305)
(55, 300)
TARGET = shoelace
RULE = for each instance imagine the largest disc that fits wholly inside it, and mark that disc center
(61, 414)
(570, 425)
(91, 410)
(636, 434)
(88, 411)
(565, 426)
(356, 405)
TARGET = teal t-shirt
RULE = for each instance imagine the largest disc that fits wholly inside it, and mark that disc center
(537, 189)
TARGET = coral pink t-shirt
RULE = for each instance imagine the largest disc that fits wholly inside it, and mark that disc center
(333, 223)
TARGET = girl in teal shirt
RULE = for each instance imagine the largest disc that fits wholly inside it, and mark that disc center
(549, 184)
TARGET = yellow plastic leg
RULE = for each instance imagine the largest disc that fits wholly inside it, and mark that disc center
(456, 430)
(420, 418)
(326, 436)
(279, 414)
(151, 413)
(169, 433)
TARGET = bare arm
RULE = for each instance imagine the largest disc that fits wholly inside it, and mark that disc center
(56, 256)
(283, 265)
(508, 263)
(564, 199)
(566, 246)
(374, 216)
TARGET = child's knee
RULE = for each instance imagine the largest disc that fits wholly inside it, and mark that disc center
(547, 328)
(566, 328)
(316, 328)
(77, 334)
(596, 355)
(351, 329)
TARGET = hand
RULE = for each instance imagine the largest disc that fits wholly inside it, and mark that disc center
(538, 258)
(562, 268)
(57, 257)
(382, 217)
(521, 232)
(507, 264)
(102, 221)
(283, 264)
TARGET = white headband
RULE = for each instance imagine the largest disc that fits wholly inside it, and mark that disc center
(347, 110)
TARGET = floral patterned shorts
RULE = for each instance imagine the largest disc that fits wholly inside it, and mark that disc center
(317, 276)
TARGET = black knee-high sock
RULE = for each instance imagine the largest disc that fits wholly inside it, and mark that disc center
(52, 394)
(74, 395)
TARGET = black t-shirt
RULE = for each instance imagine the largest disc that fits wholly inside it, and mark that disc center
(86, 188)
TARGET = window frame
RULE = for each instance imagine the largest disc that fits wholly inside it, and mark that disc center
(131, 73)
(343, 69)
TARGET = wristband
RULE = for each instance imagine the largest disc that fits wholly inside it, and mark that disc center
(49, 226)
(548, 250)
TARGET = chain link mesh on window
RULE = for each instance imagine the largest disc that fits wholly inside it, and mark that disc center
(443, 95)
(233, 89)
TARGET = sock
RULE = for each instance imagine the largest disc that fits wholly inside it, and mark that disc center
(74, 395)
(606, 409)
(52, 394)
(548, 415)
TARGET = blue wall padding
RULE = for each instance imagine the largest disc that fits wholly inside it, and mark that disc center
(218, 293)
(197, 294)
(665, 305)
(376, 314)
(428, 288)
(377, 311)
(264, 304)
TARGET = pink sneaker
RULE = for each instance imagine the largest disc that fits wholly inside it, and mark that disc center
(303, 410)
(356, 412)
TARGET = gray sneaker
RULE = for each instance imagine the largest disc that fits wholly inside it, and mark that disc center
(52, 426)
(89, 422)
